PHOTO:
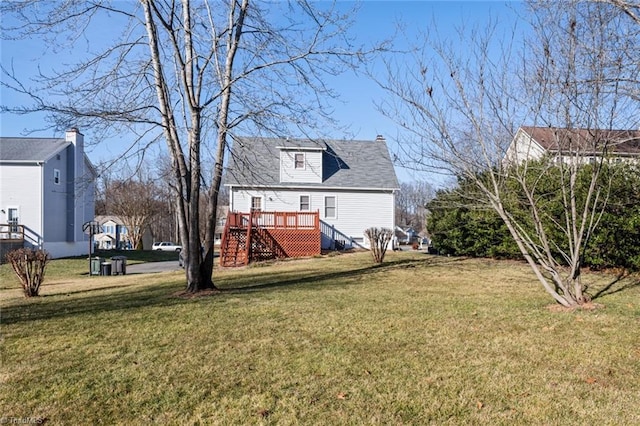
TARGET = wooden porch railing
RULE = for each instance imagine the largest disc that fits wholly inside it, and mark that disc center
(11, 232)
(268, 235)
(273, 220)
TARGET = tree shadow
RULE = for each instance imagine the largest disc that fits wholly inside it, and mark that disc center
(43, 308)
(302, 279)
(621, 282)
(88, 302)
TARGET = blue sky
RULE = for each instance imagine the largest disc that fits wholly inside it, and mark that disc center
(376, 20)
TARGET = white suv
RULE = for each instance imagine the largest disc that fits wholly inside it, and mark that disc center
(166, 246)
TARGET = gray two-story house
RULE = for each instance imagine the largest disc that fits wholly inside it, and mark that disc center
(352, 184)
(46, 193)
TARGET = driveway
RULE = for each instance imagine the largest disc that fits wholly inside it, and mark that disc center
(152, 267)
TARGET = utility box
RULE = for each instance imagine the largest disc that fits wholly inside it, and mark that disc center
(105, 268)
(95, 265)
(119, 265)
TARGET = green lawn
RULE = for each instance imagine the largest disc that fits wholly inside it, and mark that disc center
(332, 340)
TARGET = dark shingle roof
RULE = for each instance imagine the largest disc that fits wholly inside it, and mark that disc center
(346, 164)
(616, 141)
(30, 149)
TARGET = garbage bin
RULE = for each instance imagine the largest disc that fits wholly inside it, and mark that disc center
(95, 265)
(105, 268)
(119, 265)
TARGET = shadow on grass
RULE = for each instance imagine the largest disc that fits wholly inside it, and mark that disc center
(295, 279)
(163, 295)
(622, 282)
(45, 307)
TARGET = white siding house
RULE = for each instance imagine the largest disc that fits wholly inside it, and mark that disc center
(47, 188)
(352, 184)
(569, 145)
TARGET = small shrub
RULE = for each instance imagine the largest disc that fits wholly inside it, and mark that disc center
(29, 265)
(379, 239)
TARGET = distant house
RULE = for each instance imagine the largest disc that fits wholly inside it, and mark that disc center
(565, 145)
(348, 186)
(46, 194)
(116, 234)
(405, 235)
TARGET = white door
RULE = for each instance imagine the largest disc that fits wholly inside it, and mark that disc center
(14, 221)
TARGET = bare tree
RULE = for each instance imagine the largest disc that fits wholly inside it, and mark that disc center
(631, 8)
(379, 240)
(197, 72)
(460, 110)
(137, 203)
(411, 203)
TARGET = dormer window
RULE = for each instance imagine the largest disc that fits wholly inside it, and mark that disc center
(301, 165)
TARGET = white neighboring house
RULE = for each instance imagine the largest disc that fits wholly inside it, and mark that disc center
(47, 192)
(564, 145)
(351, 183)
(114, 235)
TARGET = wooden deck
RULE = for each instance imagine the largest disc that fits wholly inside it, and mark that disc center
(255, 236)
(11, 238)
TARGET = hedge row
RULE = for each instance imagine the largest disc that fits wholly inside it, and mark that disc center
(462, 227)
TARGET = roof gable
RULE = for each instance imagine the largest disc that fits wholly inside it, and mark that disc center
(28, 150)
(559, 139)
(346, 164)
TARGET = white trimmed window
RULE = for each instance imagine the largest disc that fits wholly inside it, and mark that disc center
(330, 207)
(256, 203)
(56, 176)
(305, 203)
(298, 160)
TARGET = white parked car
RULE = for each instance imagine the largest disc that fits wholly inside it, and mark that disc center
(166, 246)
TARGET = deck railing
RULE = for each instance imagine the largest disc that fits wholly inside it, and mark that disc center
(11, 232)
(275, 220)
(264, 235)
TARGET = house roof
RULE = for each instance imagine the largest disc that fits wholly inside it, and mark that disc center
(621, 142)
(255, 162)
(102, 219)
(30, 149)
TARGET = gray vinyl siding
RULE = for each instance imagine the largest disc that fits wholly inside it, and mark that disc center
(311, 173)
(52, 213)
(18, 180)
(56, 212)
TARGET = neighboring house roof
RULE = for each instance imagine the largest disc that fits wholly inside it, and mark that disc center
(30, 150)
(103, 237)
(102, 219)
(620, 142)
(255, 162)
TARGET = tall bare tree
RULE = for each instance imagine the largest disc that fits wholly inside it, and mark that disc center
(137, 203)
(198, 72)
(460, 108)
(411, 204)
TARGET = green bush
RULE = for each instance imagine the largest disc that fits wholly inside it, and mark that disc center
(460, 226)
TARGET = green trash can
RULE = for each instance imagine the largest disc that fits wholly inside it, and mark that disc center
(95, 265)
(118, 265)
